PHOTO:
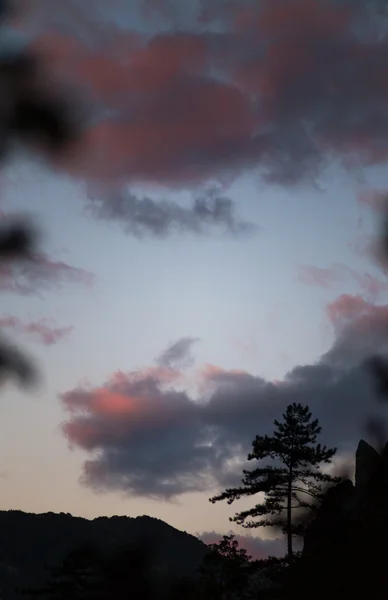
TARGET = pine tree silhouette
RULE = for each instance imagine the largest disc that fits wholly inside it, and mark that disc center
(294, 481)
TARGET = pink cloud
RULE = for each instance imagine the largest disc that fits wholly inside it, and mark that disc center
(194, 105)
(41, 330)
(347, 307)
(360, 329)
(377, 200)
(354, 313)
(339, 273)
(371, 285)
(126, 403)
(149, 433)
(211, 372)
(132, 407)
(321, 276)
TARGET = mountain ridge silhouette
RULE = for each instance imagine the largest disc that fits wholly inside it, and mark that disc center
(30, 543)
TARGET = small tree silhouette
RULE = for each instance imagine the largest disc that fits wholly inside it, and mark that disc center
(224, 569)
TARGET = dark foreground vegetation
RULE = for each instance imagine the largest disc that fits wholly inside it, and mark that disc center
(342, 524)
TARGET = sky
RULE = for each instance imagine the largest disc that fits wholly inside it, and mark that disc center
(210, 249)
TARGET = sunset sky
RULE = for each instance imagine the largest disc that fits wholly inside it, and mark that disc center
(210, 248)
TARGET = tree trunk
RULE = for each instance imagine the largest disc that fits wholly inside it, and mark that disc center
(289, 517)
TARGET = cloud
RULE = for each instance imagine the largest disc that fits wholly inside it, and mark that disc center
(280, 86)
(376, 200)
(321, 276)
(338, 273)
(31, 276)
(141, 216)
(24, 268)
(364, 245)
(361, 328)
(40, 330)
(247, 347)
(374, 246)
(178, 354)
(255, 546)
(158, 436)
(350, 309)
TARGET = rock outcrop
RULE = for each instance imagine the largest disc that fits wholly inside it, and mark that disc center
(345, 552)
(367, 461)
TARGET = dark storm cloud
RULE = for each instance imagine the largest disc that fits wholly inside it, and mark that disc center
(149, 439)
(143, 216)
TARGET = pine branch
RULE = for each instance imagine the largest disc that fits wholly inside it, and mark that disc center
(306, 491)
(232, 494)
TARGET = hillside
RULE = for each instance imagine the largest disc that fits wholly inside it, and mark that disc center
(29, 542)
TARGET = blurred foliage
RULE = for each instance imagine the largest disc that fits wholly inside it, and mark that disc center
(32, 116)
